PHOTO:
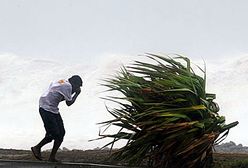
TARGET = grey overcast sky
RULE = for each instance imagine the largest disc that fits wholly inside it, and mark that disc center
(45, 40)
(88, 29)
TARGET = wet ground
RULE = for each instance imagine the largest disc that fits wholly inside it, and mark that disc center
(11, 158)
(72, 156)
(43, 164)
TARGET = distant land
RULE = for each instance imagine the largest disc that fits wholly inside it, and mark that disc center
(228, 147)
(231, 147)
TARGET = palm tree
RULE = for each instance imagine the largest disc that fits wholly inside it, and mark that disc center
(165, 114)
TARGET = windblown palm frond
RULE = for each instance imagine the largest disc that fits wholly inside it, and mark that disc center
(164, 114)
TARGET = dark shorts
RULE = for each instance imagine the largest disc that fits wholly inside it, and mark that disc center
(53, 124)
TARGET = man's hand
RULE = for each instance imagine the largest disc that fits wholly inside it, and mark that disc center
(77, 92)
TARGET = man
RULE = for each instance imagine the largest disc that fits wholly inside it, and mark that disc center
(58, 91)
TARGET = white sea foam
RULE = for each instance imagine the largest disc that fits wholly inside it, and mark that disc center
(23, 80)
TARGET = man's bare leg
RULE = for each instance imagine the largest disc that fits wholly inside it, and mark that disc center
(56, 146)
(37, 149)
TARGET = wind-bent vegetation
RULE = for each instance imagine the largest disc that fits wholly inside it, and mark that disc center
(165, 114)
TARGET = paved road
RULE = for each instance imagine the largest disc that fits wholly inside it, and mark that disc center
(40, 164)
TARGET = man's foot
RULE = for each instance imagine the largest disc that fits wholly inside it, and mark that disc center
(54, 160)
(36, 153)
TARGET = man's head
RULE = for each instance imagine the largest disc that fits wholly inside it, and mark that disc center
(76, 82)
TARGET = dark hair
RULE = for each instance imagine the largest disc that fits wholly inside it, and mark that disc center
(76, 79)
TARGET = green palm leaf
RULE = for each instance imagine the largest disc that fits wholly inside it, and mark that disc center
(164, 113)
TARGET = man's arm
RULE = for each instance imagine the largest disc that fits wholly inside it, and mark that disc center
(74, 97)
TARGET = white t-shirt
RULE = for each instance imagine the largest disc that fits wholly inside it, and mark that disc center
(57, 92)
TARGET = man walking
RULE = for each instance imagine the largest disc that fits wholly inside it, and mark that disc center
(58, 91)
